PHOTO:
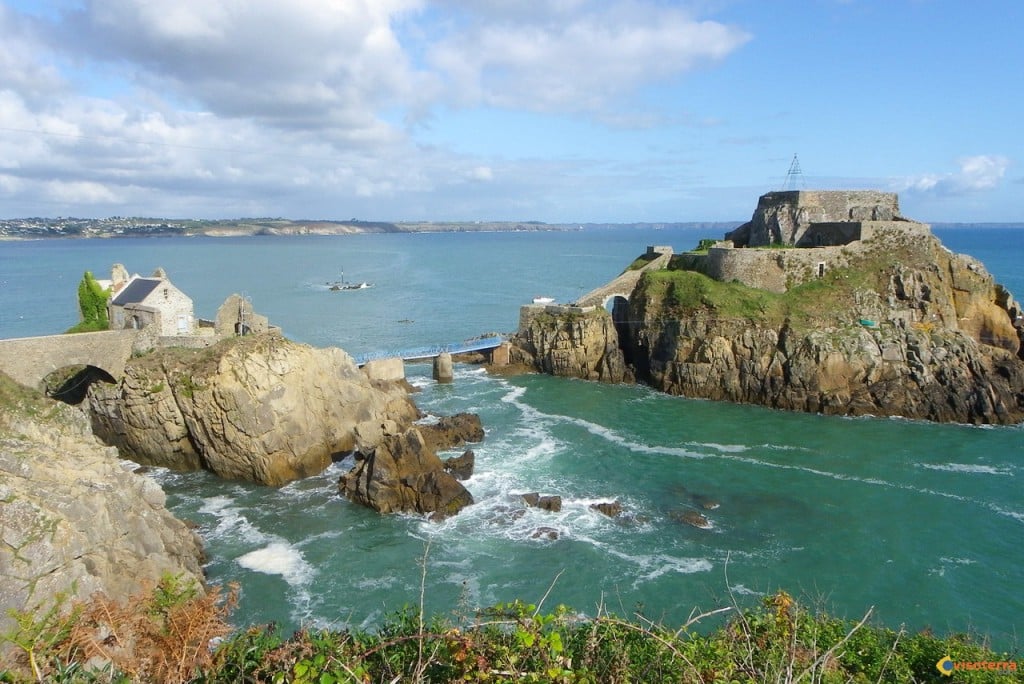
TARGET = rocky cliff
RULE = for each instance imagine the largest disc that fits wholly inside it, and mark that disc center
(74, 519)
(575, 345)
(257, 408)
(903, 328)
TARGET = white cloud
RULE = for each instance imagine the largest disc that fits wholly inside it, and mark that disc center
(258, 107)
(80, 192)
(976, 173)
(327, 63)
(481, 173)
(21, 69)
(551, 59)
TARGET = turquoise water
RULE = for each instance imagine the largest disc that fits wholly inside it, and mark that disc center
(921, 521)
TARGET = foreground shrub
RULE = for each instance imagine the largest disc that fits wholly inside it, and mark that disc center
(167, 635)
(163, 634)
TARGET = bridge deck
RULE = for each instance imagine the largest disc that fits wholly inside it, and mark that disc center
(465, 347)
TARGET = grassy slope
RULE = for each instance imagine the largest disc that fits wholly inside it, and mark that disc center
(822, 302)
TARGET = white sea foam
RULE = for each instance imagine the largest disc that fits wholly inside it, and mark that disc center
(725, 448)
(966, 468)
(279, 558)
(1016, 515)
(230, 520)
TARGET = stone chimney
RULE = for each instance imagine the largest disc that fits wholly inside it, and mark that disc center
(118, 277)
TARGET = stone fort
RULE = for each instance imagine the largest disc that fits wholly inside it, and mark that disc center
(814, 231)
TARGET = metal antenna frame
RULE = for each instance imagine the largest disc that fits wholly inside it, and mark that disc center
(794, 177)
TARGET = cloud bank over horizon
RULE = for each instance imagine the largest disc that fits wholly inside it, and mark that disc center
(571, 110)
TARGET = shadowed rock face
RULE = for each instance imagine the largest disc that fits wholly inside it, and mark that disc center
(258, 408)
(404, 474)
(74, 520)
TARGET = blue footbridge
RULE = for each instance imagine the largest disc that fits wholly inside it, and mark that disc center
(475, 345)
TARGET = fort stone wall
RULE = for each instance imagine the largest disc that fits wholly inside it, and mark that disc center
(777, 270)
(784, 217)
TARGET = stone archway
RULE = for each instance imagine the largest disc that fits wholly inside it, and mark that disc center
(70, 384)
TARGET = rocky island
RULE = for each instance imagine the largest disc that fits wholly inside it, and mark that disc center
(825, 301)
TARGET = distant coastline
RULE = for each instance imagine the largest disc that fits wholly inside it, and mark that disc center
(64, 227)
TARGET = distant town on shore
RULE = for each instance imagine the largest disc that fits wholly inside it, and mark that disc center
(122, 226)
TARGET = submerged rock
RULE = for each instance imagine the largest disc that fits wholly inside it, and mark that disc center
(612, 509)
(548, 503)
(692, 518)
(403, 474)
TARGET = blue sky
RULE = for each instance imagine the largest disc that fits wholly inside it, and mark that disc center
(554, 110)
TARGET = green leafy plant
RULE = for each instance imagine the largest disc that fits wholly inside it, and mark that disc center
(92, 304)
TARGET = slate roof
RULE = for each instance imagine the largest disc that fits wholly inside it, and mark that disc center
(136, 291)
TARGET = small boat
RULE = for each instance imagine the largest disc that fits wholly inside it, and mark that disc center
(349, 286)
(543, 300)
(342, 285)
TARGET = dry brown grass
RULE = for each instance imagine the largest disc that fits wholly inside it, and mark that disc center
(163, 634)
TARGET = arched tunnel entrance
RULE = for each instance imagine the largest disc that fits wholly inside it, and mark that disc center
(70, 383)
(618, 306)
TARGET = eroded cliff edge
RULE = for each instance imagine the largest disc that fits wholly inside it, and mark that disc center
(74, 518)
(897, 325)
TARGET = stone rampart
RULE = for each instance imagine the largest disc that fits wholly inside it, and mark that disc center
(30, 359)
(784, 217)
(777, 270)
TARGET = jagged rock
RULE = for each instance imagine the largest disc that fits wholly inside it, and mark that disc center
(548, 503)
(692, 518)
(453, 431)
(403, 474)
(461, 467)
(74, 519)
(612, 509)
(575, 345)
(549, 533)
(257, 408)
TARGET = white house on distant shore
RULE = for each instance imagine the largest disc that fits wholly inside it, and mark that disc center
(138, 302)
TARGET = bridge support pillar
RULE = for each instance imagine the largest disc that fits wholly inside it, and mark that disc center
(501, 355)
(444, 371)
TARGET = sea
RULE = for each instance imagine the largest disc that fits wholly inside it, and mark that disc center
(921, 524)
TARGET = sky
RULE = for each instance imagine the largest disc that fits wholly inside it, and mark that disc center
(508, 110)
